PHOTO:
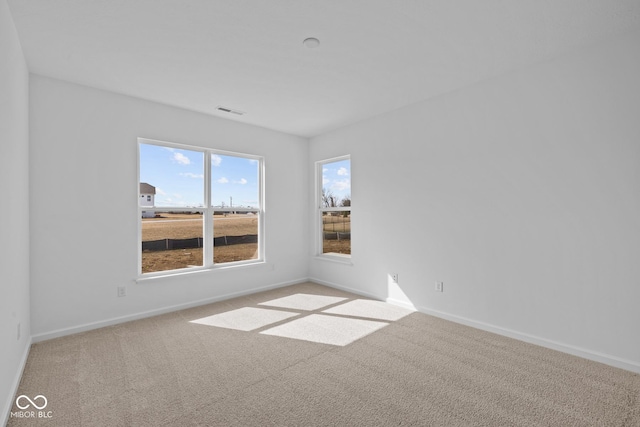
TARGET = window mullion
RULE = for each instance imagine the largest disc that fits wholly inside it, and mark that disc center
(207, 247)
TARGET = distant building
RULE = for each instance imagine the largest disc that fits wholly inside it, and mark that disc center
(147, 200)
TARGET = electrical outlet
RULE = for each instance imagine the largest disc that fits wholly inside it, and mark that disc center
(122, 291)
(394, 277)
(439, 287)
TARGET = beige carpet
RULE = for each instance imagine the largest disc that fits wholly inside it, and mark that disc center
(235, 363)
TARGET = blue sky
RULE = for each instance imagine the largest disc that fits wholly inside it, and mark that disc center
(178, 176)
(336, 177)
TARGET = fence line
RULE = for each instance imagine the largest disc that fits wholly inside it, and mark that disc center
(196, 242)
(337, 236)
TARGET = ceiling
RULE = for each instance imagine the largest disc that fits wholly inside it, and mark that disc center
(374, 55)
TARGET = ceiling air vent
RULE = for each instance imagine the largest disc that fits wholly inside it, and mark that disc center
(229, 110)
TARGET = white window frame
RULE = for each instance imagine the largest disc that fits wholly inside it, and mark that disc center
(321, 208)
(207, 211)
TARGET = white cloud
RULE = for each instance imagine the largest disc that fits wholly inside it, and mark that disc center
(325, 170)
(242, 181)
(253, 161)
(181, 158)
(216, 160)
(341, 185)
(343, 172)
(222, 180)
(325, 180)
(160, 191)
(191, 175)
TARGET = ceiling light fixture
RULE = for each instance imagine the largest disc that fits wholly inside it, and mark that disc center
(311, 42)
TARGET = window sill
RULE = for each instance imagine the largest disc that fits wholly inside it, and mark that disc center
(337, 258)
(150, 277)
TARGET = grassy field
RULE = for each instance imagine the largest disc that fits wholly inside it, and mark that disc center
(336, 224)
(186, 226)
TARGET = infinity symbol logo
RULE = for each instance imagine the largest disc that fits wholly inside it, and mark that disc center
(22, 397)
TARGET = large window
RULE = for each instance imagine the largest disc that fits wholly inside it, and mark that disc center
(334, 206)
(198, 207)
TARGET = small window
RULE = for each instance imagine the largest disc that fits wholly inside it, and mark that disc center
(334, 206)
(208, 207)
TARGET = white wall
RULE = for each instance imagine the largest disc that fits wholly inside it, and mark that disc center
(521, 194)
(14, 213)
(83, 141)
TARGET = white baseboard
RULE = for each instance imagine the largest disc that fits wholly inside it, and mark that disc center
(399, 303)
(4, 416)
(607, 359)
(393, 301)
(141, 315)
(543, 342)
(345, 288)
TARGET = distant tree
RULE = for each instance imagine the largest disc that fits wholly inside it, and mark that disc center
(345, 202)
(329, 200)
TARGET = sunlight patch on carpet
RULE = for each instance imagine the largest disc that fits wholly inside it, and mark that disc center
(322, 329)
(303, 301)
(369, 308)
(245, 319)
